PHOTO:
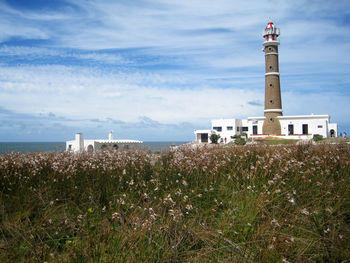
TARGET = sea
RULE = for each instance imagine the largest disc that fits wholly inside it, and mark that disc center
(26, 147)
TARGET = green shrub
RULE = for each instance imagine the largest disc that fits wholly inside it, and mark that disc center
(317, 137)
(239, 140)
(214, 138)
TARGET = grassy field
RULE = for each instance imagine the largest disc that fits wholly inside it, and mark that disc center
(235, 204)
(268, 141)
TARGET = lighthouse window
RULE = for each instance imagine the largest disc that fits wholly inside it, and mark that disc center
(271, 120)
(271, 67)
(270, 49)
(271, 85)
(271, 101)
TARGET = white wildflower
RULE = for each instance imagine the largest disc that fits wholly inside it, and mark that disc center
(305, 212)
(274, 222)
(292, 201)
(115, 215)
(189, 207)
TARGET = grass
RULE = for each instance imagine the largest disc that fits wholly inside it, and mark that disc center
(276, 141)
(206, 204)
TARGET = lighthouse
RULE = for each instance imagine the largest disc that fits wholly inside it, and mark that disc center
(273, 123)
(273, 102)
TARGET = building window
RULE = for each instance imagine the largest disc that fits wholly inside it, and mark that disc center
(229, 128)
(244, 129)
(238, 129)
(255, 129)
(320, 126)
(290, 129)
(69, 147)
(305, 129)
(218, 129)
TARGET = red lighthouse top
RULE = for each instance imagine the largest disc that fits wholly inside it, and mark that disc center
(271, 32)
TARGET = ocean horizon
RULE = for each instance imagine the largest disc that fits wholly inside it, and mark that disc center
(27, 147)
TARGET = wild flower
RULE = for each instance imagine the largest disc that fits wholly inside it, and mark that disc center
(115, 215)
(275, 223)
(305, 211)
(189, 207)
(79, 218)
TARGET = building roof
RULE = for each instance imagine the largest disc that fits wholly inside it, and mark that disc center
(312, 116)
(115, 141)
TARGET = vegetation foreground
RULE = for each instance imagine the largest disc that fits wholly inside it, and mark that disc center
(217, 204)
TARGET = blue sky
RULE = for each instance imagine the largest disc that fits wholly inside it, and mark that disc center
(157, 70)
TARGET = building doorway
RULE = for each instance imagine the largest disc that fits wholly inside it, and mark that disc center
(332, 133)
(204, 137)
(255, 129)
(305, 129)
(290, 129)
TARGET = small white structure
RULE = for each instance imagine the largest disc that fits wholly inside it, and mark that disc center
(81, 145)
(292, 127)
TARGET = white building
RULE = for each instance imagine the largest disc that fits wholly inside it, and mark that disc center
(81, 145)
(292, 127)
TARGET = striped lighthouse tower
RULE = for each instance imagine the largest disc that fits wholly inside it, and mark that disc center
(273, 102)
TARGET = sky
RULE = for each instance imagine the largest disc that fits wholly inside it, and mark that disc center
(157, 70)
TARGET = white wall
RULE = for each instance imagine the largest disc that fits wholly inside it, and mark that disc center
(317, 124)
(226, 132)
(333, 126)
(198, 134)
(255, 121)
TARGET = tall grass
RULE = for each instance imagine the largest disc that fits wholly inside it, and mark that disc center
(238, 204)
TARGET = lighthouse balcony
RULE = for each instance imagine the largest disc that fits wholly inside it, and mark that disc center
(271, 43)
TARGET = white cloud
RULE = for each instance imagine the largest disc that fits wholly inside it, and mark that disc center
(75, 92)
(172, 61)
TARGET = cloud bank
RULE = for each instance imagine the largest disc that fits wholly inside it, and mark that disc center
(157, 70)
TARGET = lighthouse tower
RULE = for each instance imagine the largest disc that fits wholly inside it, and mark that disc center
(273, 102)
